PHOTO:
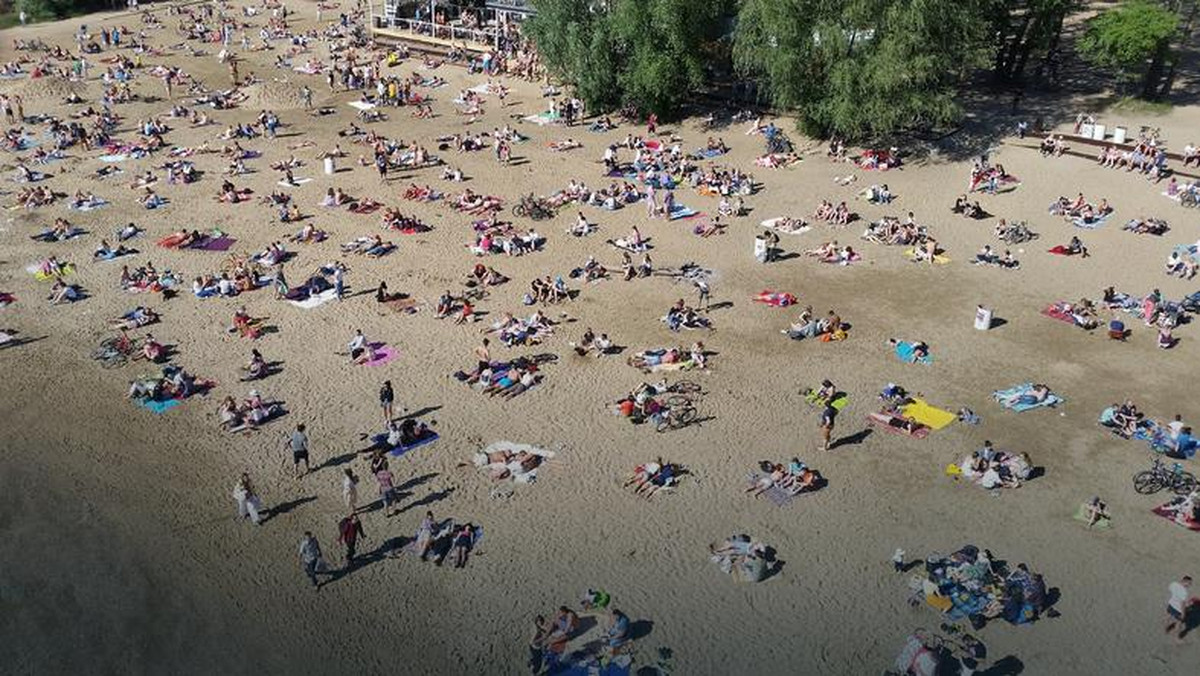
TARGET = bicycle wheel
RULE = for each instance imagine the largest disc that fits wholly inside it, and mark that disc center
(113, 361)
(662, 422)
(1185, 483)
(519, 210)
(1147, 482)
(683, 417)
(678, 400)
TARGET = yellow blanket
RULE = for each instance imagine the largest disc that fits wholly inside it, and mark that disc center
(932, 417)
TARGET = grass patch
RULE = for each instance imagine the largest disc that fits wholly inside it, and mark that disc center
(1134, 105)
(9, 19)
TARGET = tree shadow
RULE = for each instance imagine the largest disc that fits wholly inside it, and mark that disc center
(285, 507)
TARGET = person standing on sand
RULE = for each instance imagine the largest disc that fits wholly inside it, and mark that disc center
(280, 283)
(299, 445)
(350, 490)
(306, 95)
(386, 398)
(1179, 602)
(828, 415)
(349, 530)
(248, 502)
(702, 290)
(311, 558)
(339, 280)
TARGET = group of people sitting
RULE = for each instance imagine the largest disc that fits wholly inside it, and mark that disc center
(794, 479)
(1081, 209)
(892, 231)
(991, 468)
(830, 252)
(807, 325)
(650, 477)
(247, 414)
(682, 316)
(986, 256)
(837, 215)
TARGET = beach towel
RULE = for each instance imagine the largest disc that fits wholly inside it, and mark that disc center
(775, 298)
(91, 206)
(587, 669)
(894, 424)
(774, 224)
(296, 182)
(930, 416)
(383, 355)
(1021, 407)
(777, 495)
(1055, 311)
(542, 119)
(940, 259)
(221, 243)
(904, 350)
(158, 407)
(361, 105)
(515, 471)
(1095, 222)
(34, 270)
(709, 153)
(401, 449)
(315, 301)
(1189, 524)
(117, 157)
(1061, 250)
(680, 211)
(364, 207)
(1081, 516)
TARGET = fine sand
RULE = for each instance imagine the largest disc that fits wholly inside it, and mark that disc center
(120, 554)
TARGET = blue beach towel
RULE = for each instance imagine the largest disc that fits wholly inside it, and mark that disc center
(158, 407)
(904, 350)
(1021, 407)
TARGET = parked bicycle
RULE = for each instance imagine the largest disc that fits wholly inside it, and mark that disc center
(1160, 477)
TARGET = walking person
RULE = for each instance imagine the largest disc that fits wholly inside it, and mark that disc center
(1179, 601)
(828, 415)
(280, 283)
(248, 502)
(298, 442)
(350, 490)
(339, 280)
(349, 531)
(386, 399)
(306, 95)
(387, 490)
(702, 290)
(312, 559)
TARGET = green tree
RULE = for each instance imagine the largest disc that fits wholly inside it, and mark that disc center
(862, 68)
(650, 54)
(1134, 40)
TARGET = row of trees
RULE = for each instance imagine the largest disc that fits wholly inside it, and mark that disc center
(848, 67)
(46, 10)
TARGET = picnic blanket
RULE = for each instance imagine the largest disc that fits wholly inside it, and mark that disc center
(776, 494)
(1021, 407)
(1060, 250)
(905, 351)
(930, 416)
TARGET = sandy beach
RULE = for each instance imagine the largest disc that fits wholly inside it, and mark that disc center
(120, 551)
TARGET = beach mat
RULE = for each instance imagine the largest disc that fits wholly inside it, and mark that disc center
(383, 355)
(1096, 222)
(1162, 511)
(773, 224)
(158, 407)
(931, 416)
(998, 395)
(402, 449)
(904, 350)
(679, 211)
(315, 301)
(940, 259)
(884, 422)
(1081, 516)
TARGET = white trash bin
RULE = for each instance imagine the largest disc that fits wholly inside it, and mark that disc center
(1119, 134)
(1085, 130)
(329, 166)
(1098, 132)
(983, 318)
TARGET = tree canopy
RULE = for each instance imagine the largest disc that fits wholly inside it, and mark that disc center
(1132, 39)
(646, 53)
(862, 67)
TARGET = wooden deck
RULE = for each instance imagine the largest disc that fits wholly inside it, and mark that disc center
(423, 40)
